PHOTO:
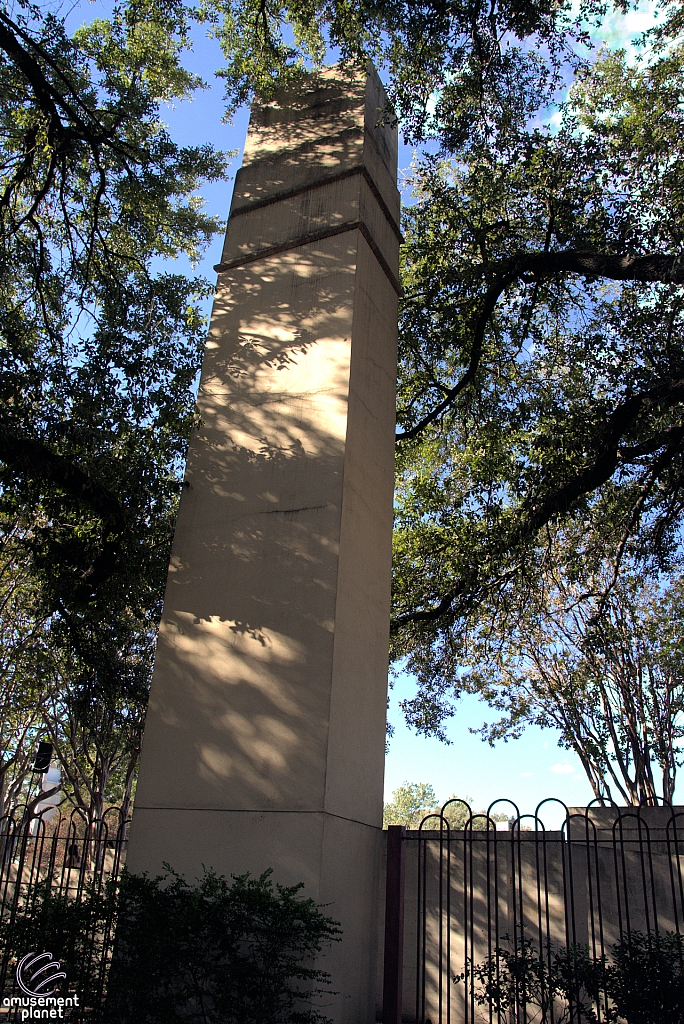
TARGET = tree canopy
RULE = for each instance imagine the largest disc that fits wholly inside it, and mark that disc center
(540, 363)
(612, 684)
(100, 340)
(99, 348)
(99, 352)
(540, 436)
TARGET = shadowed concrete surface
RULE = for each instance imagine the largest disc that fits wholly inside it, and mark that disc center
(264, 741)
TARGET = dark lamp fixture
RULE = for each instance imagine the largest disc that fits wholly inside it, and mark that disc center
(41, 761)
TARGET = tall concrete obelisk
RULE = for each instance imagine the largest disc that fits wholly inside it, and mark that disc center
(264, 741)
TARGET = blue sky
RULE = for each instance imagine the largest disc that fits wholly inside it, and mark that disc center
(527, 770)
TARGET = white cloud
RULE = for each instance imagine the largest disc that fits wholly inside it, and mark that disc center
(562, 769)
(526, 775)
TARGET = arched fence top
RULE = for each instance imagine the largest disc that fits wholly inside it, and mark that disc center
(600, 822)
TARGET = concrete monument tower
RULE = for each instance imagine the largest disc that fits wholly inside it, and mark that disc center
(264, 741)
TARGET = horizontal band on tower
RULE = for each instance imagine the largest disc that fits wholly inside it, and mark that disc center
(315, 236)
(256, 810)
(321, 183)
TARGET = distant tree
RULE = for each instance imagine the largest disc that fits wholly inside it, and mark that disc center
(410, 803)
(608, 674)
(414, 801)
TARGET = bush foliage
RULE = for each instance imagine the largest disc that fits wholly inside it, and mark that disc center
(240, 953)
(643, 983)
(234, 952)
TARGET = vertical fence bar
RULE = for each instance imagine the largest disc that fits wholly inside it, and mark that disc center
(394, 925)
(421, 928)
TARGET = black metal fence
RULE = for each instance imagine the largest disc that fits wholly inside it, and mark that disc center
(56, 874)
(479, 892)
(461, 891)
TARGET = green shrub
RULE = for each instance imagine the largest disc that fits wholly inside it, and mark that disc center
(646, 980)
(642, 984)
(240, 953)
(234, 953)
(73, 930)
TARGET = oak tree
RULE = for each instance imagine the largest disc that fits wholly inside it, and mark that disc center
(540, 433)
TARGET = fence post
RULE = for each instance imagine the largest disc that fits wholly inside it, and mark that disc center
(394, 925)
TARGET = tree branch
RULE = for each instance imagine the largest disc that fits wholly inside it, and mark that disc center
(38, 461)
(28, 457)
(653, 267)
(536, 514)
